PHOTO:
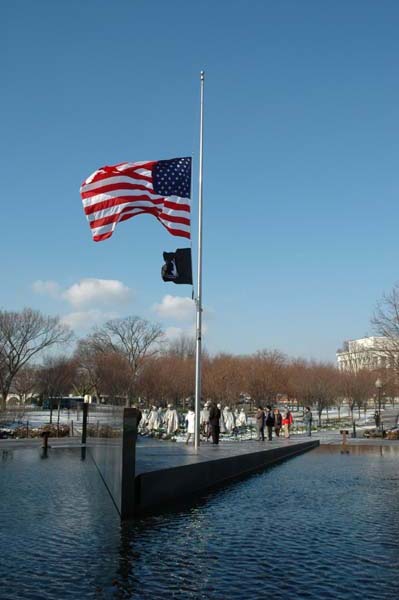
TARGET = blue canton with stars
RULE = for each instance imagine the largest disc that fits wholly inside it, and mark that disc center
(172, 177)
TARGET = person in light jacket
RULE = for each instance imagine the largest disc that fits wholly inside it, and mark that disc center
(154, 422)
(171, 420)
(229, 419)
(204, 420)
(190, 421)
(222, 423)
(241, 419)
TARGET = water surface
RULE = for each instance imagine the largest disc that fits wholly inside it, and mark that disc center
(321, 525)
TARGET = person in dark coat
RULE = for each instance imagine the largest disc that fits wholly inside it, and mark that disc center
(269, 422)
(260, 424)
(278, 421)
(214, 422)
(307, 419)
(139, 414)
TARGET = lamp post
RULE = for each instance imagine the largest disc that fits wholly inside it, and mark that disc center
(378, 385)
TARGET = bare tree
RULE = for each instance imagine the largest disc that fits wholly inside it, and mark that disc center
(23, 335)
(182, 346)
(390, 382)
(385, 322)
(314, 384)
(357, 387)
(55, 379)
(150, 382)
(298, 382)
(165, 378)
(24, 383)
(114, 376)
(133, 338)
(89, 367)
(324, 382)
(82, 384)
(224, 378)
(266, 375)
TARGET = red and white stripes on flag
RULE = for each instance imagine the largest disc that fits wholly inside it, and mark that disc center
(159, 188)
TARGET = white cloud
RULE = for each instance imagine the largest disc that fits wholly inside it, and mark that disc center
(47, 288)
(89, 297)
(97, 291)
(83, 320)
(172, 333)
(86, 292)
(175, 307)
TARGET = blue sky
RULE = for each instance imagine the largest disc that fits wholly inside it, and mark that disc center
(300, 167)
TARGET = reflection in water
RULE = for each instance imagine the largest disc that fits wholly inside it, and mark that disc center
(360, 449)
(322, 525)
(7, 455)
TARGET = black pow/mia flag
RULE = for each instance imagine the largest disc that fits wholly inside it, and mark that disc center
(177, 267)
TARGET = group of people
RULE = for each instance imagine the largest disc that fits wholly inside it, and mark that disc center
(169, 422)
(210, 421)
(156, 419)
(230, 421)
(215, 420)
(273, 419)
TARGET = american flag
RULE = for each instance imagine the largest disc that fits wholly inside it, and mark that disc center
(160, 188)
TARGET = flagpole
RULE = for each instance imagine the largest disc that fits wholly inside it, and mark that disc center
(198, 301)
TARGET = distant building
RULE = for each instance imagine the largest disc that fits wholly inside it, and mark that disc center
(366, 353)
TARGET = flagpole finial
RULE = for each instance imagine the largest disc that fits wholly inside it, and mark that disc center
(202, 75)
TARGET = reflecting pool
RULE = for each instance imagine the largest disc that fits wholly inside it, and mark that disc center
(319, 526)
